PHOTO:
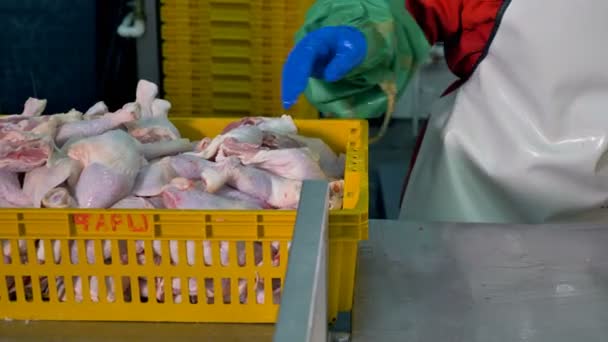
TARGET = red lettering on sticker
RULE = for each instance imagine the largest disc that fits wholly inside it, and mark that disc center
(83, 220)
(143, 227)
(113, 222)
(101, 223)
(116, 220)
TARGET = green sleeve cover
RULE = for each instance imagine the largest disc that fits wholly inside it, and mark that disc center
(396, 46)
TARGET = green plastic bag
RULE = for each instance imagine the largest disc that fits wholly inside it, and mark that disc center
(396, 47)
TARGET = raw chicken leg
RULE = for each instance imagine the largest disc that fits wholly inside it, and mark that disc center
(145, 95)
(275, 190)
(155, 128)
(38, 182)
(190, 166)
(279, 141)
(282, 125)
(156, 201)
(116, 149)
(100, 186)
(165, 148)
(291, 163)
(161, 108)
(132, 202)
(176, 197)
(97, 110)
(208, 149)
(34, 107)
(11, 195)
(64, 118)
(229, 192)
(112, 161)
(59, 198)
(332, 165)
(153, 177)
(108, 121)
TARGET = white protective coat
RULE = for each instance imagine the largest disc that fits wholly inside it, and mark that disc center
(527, 137)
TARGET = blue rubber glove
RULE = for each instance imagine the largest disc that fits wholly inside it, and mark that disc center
(328, 53)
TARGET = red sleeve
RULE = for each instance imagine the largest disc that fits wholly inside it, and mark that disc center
(464, 26)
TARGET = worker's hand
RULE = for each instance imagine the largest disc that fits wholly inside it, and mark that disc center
(329, 54)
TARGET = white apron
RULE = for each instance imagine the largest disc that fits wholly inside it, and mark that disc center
(526, 140)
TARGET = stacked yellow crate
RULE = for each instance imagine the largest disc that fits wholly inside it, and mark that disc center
(224, 57)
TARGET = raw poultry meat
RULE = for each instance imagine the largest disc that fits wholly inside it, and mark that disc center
(153, 177)
(145, 94)
(154, 130)
(277, 191)
(121, 161)
(281, 125)
(280, 141)
(232, 193)
(59, 198)
(38, 182)
(11, 195)
(102, 124)
(331, 164)
(291, 163)
(64, 118)
(33, 107)
(101, 186)
(209, 148)
(336, 194)
(157, 202)
(190, 166)
(161, 109)
(26, 144)
(133, 202)
(111, 162)
(248, 137)
(154, 124)
(96, 110)
(159, 149)
(157, 127)
(178, 196)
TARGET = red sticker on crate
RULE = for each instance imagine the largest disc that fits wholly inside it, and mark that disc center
(112, 223)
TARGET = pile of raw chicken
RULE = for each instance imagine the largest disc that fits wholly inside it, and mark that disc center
(136, 158)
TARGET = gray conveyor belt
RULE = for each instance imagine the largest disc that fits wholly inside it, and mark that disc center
(450, 282)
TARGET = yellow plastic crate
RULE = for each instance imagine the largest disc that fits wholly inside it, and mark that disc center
(346, 228)
(224, 57)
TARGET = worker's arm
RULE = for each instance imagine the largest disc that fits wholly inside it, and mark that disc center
(464, 26)
(356, 52)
